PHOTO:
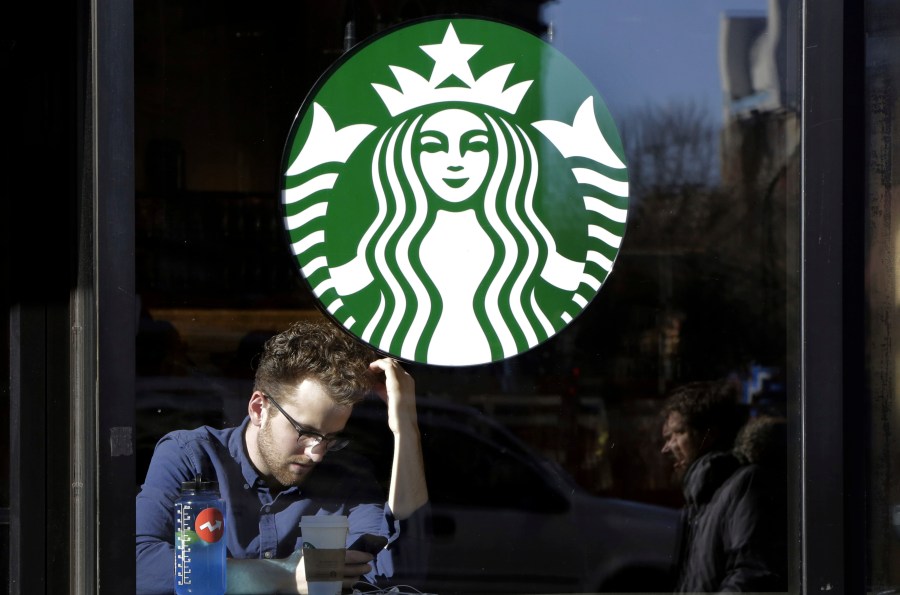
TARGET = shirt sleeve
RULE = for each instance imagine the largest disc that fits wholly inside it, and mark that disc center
(411, 552)
(405, 557)
(154, 523)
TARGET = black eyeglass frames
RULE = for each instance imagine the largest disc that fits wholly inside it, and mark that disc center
(307, 437)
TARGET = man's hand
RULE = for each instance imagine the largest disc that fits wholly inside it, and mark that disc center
(398, 391)
(356, 564)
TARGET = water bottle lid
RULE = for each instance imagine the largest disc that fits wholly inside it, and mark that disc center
(199, 484)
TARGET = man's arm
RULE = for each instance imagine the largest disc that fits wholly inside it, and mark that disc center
(287, 575)
(408, 491)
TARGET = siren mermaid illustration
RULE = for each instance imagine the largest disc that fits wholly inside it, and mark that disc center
(457, 266)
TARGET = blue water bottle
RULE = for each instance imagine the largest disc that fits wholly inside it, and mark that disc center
(199, 539)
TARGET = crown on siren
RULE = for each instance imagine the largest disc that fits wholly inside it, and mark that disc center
(451, 58)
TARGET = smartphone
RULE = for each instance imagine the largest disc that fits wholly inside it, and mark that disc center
(369, 543)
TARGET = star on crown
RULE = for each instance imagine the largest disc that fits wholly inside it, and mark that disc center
(451, 58)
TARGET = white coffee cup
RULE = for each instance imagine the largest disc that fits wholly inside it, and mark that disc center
(324, 549)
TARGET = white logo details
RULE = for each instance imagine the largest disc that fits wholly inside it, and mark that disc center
(455, 159)
(466, 250)
(582, 139)
(451, 58)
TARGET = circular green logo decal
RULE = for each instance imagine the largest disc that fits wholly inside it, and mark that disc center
(455, 191)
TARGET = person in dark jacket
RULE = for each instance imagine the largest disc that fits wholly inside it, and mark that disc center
(733, 532)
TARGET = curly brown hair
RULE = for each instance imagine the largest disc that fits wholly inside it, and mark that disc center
(320, 351)
(707, 405)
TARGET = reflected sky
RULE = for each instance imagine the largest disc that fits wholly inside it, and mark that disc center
(647, 52)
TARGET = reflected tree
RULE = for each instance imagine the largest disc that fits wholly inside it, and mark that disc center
(670, 147)
(706, 240)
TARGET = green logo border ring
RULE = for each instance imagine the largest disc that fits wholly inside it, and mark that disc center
(455, 191)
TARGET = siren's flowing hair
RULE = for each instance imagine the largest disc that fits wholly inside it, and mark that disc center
(504, 302)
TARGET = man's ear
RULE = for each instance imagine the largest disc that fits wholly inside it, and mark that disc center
(256, 407)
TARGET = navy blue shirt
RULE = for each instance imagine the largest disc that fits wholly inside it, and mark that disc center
(258, 523)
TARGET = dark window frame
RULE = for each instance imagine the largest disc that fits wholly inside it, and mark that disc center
(832, 421)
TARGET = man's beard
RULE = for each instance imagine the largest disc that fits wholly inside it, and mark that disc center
(278, 465)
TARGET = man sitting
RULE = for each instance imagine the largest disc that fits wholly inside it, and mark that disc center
(273, 469)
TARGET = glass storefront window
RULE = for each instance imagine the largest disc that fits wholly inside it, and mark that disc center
(882, 93)
(568, 434)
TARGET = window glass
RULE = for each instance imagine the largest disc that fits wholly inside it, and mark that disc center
(561, 444)
(882, 87)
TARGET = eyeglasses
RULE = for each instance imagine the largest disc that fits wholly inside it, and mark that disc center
(307, 437)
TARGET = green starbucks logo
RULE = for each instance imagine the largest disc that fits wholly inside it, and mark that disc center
(455, 192)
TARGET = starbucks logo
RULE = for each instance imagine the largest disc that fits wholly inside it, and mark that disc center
(455, 192)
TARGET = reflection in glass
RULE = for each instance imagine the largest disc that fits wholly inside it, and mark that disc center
(705, 284)
(882, 299)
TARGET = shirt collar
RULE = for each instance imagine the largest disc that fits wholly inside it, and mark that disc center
(237, 447)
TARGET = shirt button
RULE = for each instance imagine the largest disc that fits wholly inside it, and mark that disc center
(246, 486)
(268, 509)
(268, 554)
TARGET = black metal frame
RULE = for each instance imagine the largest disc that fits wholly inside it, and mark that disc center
(115, 329)
(833, 409)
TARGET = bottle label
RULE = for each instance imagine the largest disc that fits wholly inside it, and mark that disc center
(210, 525)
